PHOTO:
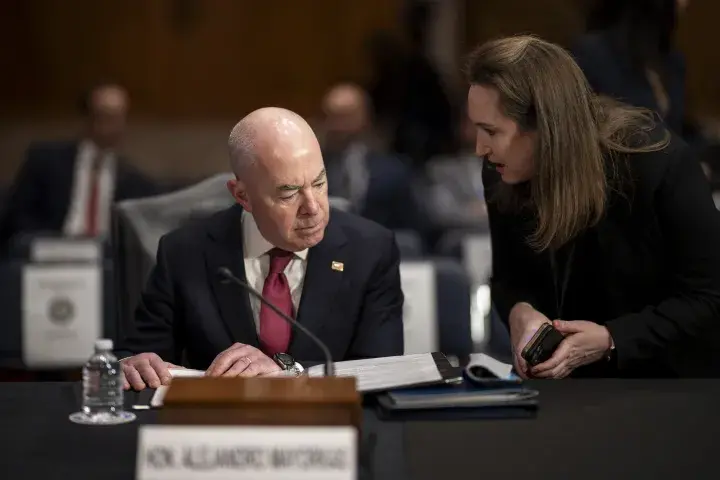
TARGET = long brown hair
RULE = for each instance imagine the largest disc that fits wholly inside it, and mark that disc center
(580, 136)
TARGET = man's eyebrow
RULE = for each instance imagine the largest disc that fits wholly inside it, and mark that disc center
(292, 188)
(484, 125)
(289, 188)
(320, 176)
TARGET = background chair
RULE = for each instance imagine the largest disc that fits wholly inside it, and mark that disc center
(452, 302)
(138, 226)
(409, 243)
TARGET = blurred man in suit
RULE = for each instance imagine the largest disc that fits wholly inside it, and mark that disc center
(379, 186)
(336, 273)
(69, 187)
(456, 196)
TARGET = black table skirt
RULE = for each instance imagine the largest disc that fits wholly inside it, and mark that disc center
(584, 429)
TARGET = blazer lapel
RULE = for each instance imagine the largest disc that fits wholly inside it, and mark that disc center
(323, 278)
(226, 250)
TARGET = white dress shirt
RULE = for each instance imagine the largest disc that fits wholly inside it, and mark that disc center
(76, 219)
(257, 266)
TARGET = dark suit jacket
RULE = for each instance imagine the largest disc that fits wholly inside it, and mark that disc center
(390, 199)
(649, 270)
(609, 70)
(186, 312)
(40, 196)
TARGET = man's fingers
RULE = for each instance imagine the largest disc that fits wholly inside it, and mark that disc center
(253, 370)
(133, 377)
(227, 359)
(161, 370)
(242, 364)
(147, 372)
(212, 370)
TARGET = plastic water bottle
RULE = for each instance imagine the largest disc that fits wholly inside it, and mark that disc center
(102, 383)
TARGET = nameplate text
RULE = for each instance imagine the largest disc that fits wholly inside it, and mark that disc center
(246, 452)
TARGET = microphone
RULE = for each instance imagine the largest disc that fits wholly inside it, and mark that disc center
(226, 276)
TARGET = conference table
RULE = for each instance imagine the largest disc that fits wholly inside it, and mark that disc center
(589, 429)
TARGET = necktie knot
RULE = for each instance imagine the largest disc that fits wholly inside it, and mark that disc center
(279, 260)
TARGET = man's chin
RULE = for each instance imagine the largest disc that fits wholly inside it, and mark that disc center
(311, 238)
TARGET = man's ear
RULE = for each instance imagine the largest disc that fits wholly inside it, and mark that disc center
(239, 193)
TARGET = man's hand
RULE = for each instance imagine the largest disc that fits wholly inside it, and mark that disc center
(524, 322)
(145, 370)
(585, 343)
(242, 360)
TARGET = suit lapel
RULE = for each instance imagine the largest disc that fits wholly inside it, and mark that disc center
(226, 250)
(323, 279)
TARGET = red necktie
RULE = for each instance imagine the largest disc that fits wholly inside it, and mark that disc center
(91, 219)
(274, 331)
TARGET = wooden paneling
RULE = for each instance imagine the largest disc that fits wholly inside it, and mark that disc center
(185, 58)
(697, 39)
(554, 20)
(561, 20)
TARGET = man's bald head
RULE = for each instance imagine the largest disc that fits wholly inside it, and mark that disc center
(345, 107)
(267, 131)
(280, 177)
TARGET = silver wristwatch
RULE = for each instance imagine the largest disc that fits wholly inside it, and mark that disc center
(288, 363)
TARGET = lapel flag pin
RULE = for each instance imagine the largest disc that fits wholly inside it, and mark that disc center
(338, 266)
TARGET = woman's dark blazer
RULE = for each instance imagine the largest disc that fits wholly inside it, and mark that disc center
(649, 270)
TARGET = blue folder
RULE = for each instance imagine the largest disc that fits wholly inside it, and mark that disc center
(475, 397)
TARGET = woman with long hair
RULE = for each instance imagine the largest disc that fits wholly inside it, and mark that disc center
(601, 224)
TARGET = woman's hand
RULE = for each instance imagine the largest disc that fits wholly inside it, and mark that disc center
(524, 321)
(585, 343)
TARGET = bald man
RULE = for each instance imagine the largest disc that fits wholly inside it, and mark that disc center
(68, 188)
(379, 186)
(336, 273)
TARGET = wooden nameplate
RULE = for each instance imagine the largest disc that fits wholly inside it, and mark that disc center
(303, 401)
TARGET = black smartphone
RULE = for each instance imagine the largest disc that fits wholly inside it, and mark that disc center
(542, 345)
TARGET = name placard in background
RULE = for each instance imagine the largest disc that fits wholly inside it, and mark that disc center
(62, 314)
(65, 250)
(169, 452)
(420, 309)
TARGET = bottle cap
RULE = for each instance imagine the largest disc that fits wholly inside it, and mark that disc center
(103, 344)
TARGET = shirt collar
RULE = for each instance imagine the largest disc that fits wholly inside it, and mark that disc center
(254, 244)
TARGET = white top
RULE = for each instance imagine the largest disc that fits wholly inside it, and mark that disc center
(76, 219)
(257, 265)
(103, 345)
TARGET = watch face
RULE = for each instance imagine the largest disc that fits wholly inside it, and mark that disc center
(284, 360)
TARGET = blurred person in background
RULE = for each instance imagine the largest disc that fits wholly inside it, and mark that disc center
(68, 187)
(408, 94)
(378, 185)
(456, 192)
(629, 54)
(601, 221)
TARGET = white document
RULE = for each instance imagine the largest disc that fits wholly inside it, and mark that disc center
(65, 250)
(62, 314)
(168, 452)
(158, 397)
(498, 368)
(377, 374)
(420, 330)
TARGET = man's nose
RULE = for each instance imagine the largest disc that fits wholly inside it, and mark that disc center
(310, 205)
